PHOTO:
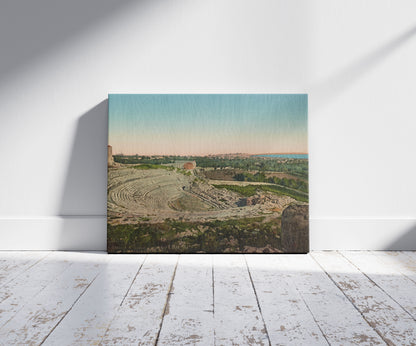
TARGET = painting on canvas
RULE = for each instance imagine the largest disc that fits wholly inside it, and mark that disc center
(207, 173)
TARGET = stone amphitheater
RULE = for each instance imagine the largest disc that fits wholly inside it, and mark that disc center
(154, 195)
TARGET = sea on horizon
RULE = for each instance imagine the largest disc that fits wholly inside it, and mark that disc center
(287, 156)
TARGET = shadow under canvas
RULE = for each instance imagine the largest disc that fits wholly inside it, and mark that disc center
(84, 198)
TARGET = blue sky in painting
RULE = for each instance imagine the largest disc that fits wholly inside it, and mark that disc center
(195, 124)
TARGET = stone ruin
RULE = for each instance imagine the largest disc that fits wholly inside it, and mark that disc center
(110, 160)
(189, 165)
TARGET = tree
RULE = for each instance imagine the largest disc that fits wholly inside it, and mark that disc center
(239, 177)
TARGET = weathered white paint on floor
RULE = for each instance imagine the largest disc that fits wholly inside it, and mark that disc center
(12, 264)
(399, 287)
(24, 287)
(189, 315)
(64, 298)
(238, 320)
(403, 262)
(288, 319)
(385, 315)
(35, 320)
(92, 314)
(338, 319)
(140, 315)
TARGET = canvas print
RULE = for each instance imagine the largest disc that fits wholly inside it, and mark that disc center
(208, 173)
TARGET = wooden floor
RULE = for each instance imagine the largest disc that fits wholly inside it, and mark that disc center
(340, 298)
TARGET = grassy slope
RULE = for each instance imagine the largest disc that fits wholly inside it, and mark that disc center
(233, 236)
(250, 190)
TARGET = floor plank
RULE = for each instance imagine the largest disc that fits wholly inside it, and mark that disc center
(88, 320)
(189, 316)
(15, 294)
(339, 321)
(32, 324)
(403, 262)
(396, 285)
(139, 318)
(340, 298)
(14, 263)
(237, 317)
(411, 255)
(391, 322)
(287, 317)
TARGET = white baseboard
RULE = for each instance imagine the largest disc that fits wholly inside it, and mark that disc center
(54, 233)
(90, 233)
(362, 234)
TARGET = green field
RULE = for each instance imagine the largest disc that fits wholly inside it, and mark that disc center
(153, 166)
(296, 167)
(250, 190)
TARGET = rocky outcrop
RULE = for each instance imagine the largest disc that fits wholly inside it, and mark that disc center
(253, 200)
(295, 229)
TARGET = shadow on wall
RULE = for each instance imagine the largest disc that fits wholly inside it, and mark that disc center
(407, 242)
(84, 197)
(85, 186)
(25, 27)
(340, 81)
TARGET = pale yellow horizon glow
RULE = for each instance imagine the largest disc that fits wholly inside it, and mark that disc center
(183, 144)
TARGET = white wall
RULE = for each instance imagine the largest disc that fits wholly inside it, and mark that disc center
(59, 60)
